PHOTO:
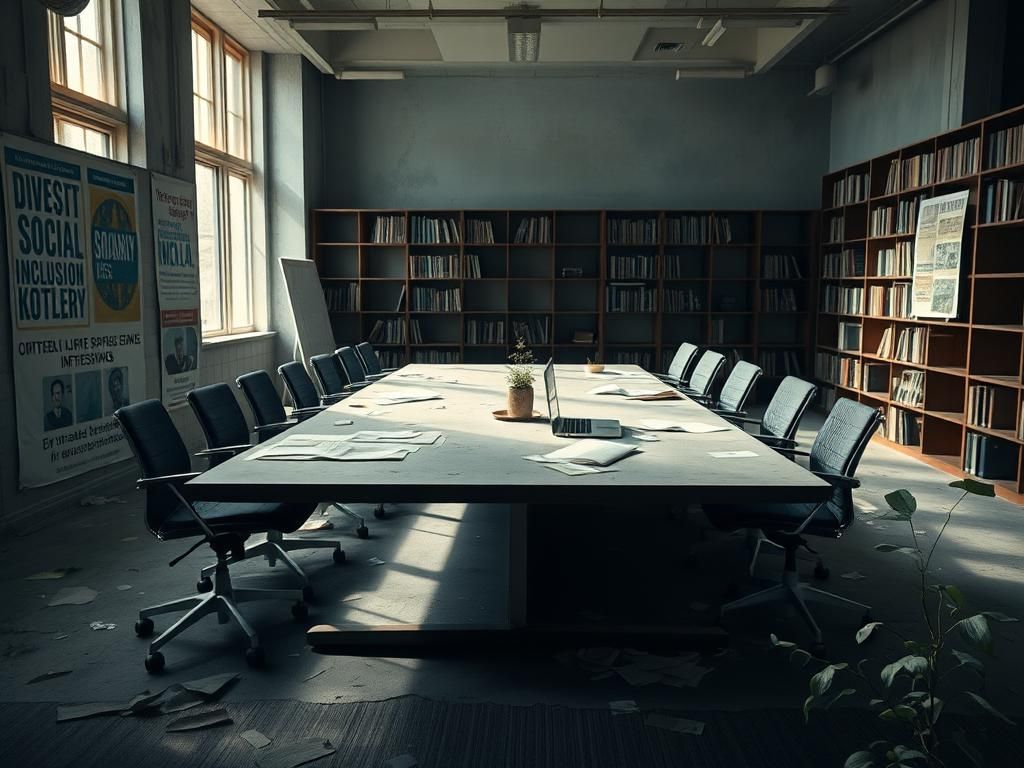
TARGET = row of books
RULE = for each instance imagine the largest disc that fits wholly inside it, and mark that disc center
(826, 367)
(908, 389)
(906, 216)
(902, 427)
(1004, 201)
(631, 297)
(849, 336)
(389, 229)
(917, 171)
(431, 230)
(1006, 147)
(439, 266)
(534, 229)
(473, 265)
(909, 346)
(342, 298)
(959, 160)
(534, 330)
(632, 357)
(485, 331)
(724, 331)
(991, 407)
(479, 231)
(683, 300)
(780, 362)
(846, 263)
(435, 356)
(429, 299)
(632, 231)
(836, 229)
(388, 331)
(849, 372)
(390, 358)
(778, 300)
(842, 300)
(881, 221)
(644, 267)
(679, 267)
(780, 266)
(875, 377)
(989, 457)
(890, 301)
(698, 230)
(853, 189)
(895, 262)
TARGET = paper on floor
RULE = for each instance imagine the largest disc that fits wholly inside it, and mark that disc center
(73, 596)
(202, 720)
(693, 427)
(677, 724)
(255, 738)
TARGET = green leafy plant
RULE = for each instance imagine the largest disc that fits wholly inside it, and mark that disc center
(913, 690)
(520, 374)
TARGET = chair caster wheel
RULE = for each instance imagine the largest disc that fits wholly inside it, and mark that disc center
(300, 611)
(818, 650)
(339, 554)
(380, 513)
(254, 657)
(144, 627)
(155, 663)
(307, 594)
(821, 572)
(205, 584)
(363, 532)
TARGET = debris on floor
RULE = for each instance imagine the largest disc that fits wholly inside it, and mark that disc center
(676, 724)
(623, 707)
(48, 676)
(101, 625)
(255, 738)
(123, 587)
(315, 674)
(173, 698)
(637, 667)
(56, 573)
(294, 754)
(202, 720)
(853, 576)
(316, 525)
(99, 501)
(79, 711)
(376, 561)
(73, 596)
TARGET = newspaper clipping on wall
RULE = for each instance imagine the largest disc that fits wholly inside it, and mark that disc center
(937, 253)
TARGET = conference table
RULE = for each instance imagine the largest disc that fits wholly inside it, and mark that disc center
(480, 460)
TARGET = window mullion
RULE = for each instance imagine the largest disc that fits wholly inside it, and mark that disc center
(225, 247)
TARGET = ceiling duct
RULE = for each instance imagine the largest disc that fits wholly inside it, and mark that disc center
(524, 38)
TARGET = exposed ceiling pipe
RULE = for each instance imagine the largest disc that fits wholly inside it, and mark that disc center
(864, 39)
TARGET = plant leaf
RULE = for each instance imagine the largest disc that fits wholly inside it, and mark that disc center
(960, 739)
(908, 754)
(915, 665)
(802, 655)
(989, 708)
(973, 486)
(808, 703)
(935, 704)
(955, 595)
(781, 643)
(841, 694)
(875, 702)
(976, 630)
(902, 712)
(860, 759)
(966, 660)
(997, 616)
(822, 681)
(865, 632)
(903, 503)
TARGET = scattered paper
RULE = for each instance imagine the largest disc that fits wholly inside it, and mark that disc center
(123, 587)
(377, 412)
(57, 573)
(48, 676)
(676, 724)
(79, 711)
(97, 501)
(338, 423)
(210, 686)
(647, 438)
(376, 561)
(588, 451)
(611, 372)
(623, 707)
(404, 438)
(294, 754)
(73, 596)
(329, 447)
(255, 738)
(101, 626)
(853, 576)
(315, 674)
(615, 389)
(397, 397)
(684, 675)
(574, 470)
(732, 454)
(202, 720)
(316, 525)
(693, 427)
(180, 701)
(403, 761)
(636, 675)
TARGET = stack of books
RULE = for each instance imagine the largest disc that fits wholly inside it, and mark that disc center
(641, 266)
(876, 377)
(533, 230)
(917, 171)
(890, 301)
(849, 336)
(902, 427)
(910, 345)
(429, 299)
(390, 358)
(836, 229)
(1006, 147)
(906, 216)
(480, 232)
(432, 266)
(992, 407)
(1004, 201)
(389, 229)
(643, 359)
(472, 265)
(959, 160)
(415, 333)
(857, 185)
(631, 297)
(908, 389)
(633, 231)
(698, 230)
(990, 458)
(342, 298)
(892, 178)
(485, 331)
(849, 372)
(682, 300)
(885, 347)
(435, 356)
(846, 263)
(428, 230)
(778, 300)
(881, 221)
(895, 262)
(783, 266)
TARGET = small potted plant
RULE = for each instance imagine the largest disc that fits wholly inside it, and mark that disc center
(595, 365)
(520, 381)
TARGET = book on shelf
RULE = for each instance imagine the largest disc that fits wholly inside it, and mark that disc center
(780, 266)
(881, 221)
(875, 377)
(430, 299)
(631, 297)
(388, 331)
(778, 300)
(902, 427)
(533, 230)
(1004, 201)
(682, 300)
(917, 171)
(583, 337)
(890, 300)
(676, 267)
(989, 457)
(633, 231)
(1006, 147)
(846, 263)
(780, 362)
(885, 344)
(853, 189)
(959, 160)
(849, 372)
(633, 357)
(401, 299)
(849, 336)
(908, 388)
(389, 229)
(415, 332)
(910, 345)
(434, 265)
(435, 356)
(836, 229)
(473, 265)
(892, 178)
(534, 330)
(638, 267)
(434, 230)
(479, 231)
(485, 331)
(842, 300)
(906, 215)
(342, 298)
(991, 407)
(895, 262)
(698, 230)
(390, 358)
(827, 398)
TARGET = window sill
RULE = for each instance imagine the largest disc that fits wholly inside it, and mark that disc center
(237, 338)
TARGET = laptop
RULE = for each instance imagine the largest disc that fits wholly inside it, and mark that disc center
(562, 426)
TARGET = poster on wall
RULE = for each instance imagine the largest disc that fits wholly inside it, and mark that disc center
(76, 306)
(937, 251)
(176, 240)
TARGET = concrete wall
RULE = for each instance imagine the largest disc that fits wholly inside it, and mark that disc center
(564, 142)
(904, 86)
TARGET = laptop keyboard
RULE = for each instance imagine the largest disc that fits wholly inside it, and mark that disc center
(575, 426)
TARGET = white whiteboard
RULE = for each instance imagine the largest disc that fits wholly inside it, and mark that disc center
(313, 332)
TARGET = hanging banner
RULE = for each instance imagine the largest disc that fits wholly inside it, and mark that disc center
(76, 306)
(176, 238)
(937, 251)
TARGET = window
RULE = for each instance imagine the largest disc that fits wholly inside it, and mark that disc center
(220, 99)
(87, 91)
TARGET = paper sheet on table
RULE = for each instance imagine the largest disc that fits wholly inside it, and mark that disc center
(395, 397)
(328, 448)
(611, 373)
(598, 453)
(693, 427)
(733, 454)
(401, 438)
(574, 470)
(615, 389)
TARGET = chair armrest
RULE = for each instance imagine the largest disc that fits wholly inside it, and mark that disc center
(229, 449)
(371, 377)
(335, 398)
(148, 482)
(666, 378)
(357, 386)
(738, 417)
(839, 481)
(727, 414)
(791, 451)
(777, 442)
(280, 426)
(389, 370)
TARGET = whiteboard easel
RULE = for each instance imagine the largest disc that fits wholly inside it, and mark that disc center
(313, 332)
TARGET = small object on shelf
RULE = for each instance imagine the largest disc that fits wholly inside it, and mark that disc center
(572, 271)
(583, 337)
(503, 415)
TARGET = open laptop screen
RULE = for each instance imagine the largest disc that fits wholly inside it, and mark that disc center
(549, 388)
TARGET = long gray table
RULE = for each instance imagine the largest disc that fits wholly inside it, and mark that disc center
(481, 460)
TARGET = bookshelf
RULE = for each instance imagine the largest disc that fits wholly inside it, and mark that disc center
(944, 385)
(628, 285)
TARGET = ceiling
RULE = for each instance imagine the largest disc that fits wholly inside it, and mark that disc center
(374, 37)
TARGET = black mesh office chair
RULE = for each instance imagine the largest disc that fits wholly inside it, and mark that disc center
(329, 376)
(268, 412)
(737, 389)
(702, 381)
(226, 432)
(679, 369)
(833, 457)
(302, 390)
(368, 357)
(348, 360)
(166, 466)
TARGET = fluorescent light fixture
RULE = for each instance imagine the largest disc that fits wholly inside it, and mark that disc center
(334, 26)
(716, 32)
(523, 38)
(370, 74)
(728, 73)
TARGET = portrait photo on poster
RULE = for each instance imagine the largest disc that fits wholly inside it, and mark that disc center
(183, 342)
(116, 395)
(56, 399)
(87, 396)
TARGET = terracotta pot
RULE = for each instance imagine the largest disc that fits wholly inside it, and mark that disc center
(595, 367)
(520, 403)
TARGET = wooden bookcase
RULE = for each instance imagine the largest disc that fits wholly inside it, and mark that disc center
(982, 347)
(710, 288)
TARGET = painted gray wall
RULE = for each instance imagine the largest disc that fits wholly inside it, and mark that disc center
(904, 86)
(565, 142)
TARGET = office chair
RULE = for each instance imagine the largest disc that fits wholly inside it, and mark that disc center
(702, 381)
(166, 466)
(679, 369)
(302, 390)
(353, 369)
(268, 412)
(833, 457)
(737, 389)
(227, 435)
(368, 357)
(329, 376)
